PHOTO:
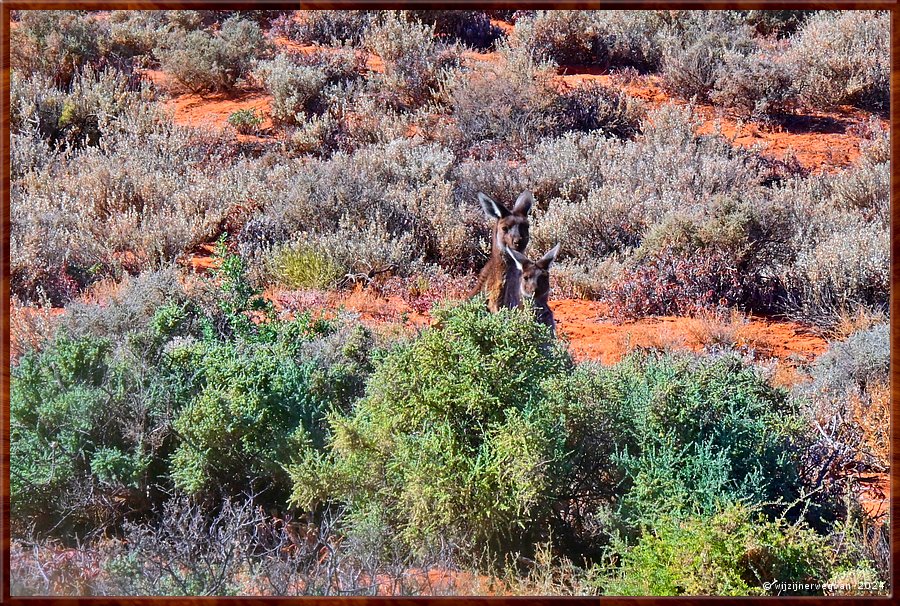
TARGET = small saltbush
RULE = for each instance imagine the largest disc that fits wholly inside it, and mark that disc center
(200, 61)
(454, 440)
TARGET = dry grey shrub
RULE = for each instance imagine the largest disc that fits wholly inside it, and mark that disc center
(294, 88)
(843, 57)
(606, 221)
(330, 27)
(842, 399)
(415, 61)
(510, 101)
(202, 61)
(56, 44)
(147, 193)
(695, 47)
(404, 187)
(606, 38)
(759, 85)
(78, 114)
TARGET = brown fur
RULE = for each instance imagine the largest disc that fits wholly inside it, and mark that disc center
(535, 283)
(499, 279)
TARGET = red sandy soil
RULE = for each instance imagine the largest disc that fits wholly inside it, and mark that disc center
(826, 144)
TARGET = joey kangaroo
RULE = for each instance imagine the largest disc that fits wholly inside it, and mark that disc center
(535, 283)
(500, 277)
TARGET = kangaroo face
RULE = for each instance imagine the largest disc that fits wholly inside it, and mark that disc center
(535, 274)
(511, 230)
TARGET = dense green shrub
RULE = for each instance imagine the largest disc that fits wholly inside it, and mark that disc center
(201, 61)
(454, 440)
(83, 424)
(732, 552)
(688, 434)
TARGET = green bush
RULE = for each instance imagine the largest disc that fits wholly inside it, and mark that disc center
(683, 434)
(731, 552)
(454, 440)
(200, 61)
(306, 267)
(245, 121)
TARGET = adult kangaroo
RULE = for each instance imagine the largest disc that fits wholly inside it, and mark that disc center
(499, 279)
(535, 283)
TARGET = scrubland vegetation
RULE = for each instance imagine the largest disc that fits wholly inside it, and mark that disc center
(185, 436)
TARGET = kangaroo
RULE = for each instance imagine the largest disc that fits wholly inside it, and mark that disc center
(535, 283)
(500, 277)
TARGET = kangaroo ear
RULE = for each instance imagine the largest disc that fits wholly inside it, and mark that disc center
(518, 258)
(492, 209)
(549, 258)
(523, 203)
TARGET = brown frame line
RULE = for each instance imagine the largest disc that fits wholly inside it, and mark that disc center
(7, 6)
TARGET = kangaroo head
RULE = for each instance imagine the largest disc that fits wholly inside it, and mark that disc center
(511, 229)
(535, 274)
